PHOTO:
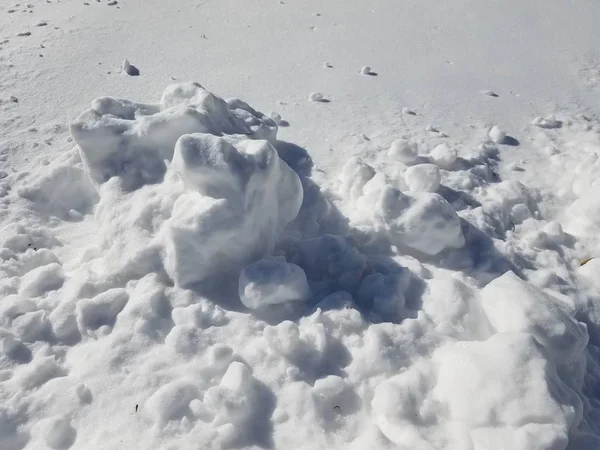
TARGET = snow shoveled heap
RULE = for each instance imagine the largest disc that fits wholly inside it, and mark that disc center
(239, 304)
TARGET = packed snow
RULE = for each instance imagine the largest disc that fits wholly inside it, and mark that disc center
(181, 270)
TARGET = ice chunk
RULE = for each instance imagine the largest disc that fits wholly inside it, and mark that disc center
(269, 282)
(101, 310)
(404, 151)
(497, 134)
(59, 434)
(423, 178)
(41, 280)
(513, 305)
(60, 190)
(242, 197)
(421, 221)
(443, 156)
(171, 401)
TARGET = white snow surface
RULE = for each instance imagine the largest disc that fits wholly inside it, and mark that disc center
(410, 260)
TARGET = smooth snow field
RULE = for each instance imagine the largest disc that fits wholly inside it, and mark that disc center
(293, 224)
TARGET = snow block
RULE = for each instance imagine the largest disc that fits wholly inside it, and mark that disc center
(241, 197)
(513, 305)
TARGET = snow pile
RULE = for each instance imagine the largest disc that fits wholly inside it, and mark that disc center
(220, 204)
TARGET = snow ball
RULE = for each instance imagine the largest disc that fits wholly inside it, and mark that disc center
(84, 394)
(497, 134)
(519, 213)
(41, 280)
(443, 156)
(242, 196)
(327, 65)
(101, 310)
(269, 282)
(365, 70)
(59, 434)
(315, 97)
(171, 401)
(409, 112)
(423, 178)
(513, 305)
(405, 151)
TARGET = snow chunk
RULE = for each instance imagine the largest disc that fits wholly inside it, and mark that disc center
(41, 371)
(269, 282)
(513, 305)
(443, 156)
(101, 310)
(497, 134)
(365, 70)
(41, 280)
(32, 326)
(512, 380)
(131, 140)
(129, 68)
(355, 174)
(423, 178)
(63, 189)
(283, 339)
(234, 400)
(405, 151)
(59, 434)
(315, 97)
(245, 195)
(421, 221)
(171, 401)
(547, 122)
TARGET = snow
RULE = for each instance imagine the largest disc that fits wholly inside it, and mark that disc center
(385, 268)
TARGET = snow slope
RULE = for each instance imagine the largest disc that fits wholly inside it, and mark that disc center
(396, 263)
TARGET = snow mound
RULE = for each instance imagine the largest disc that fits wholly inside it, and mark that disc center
(132, 140)
(191, 184)
(269, 281)
(242, 196)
